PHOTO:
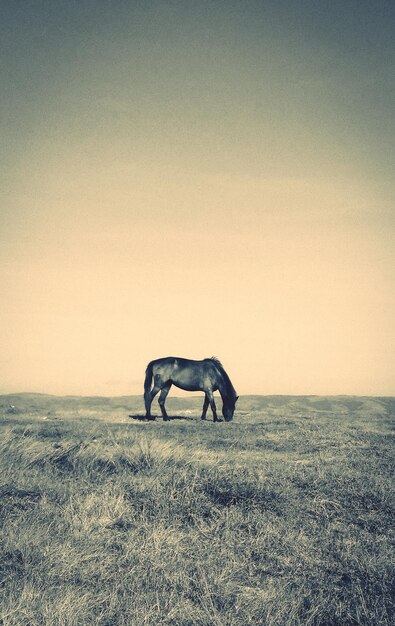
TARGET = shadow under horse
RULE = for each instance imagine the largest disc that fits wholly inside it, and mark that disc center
(170, 418)
(207, 375)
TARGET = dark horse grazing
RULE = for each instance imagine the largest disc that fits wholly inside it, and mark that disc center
(207, 375)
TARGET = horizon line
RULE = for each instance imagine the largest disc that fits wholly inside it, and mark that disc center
(192, 394)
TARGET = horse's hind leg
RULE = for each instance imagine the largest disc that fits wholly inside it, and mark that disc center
(162, 398)
(148, 397)
(205, 407)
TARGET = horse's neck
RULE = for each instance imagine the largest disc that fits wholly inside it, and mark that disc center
(222, 388)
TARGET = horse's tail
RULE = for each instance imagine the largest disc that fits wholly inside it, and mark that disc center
(148, 377)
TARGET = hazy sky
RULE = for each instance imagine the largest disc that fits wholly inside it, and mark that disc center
(197, 178)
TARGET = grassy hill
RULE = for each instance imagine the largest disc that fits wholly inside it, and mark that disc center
(283, 517)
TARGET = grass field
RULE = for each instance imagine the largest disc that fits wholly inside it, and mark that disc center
(282, 517)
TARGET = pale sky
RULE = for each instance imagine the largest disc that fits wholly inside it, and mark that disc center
(197, 179)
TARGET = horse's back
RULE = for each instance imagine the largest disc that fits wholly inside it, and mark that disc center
(176, 361)
(176, 364)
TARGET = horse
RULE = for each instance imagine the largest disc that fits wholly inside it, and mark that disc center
(207, 375)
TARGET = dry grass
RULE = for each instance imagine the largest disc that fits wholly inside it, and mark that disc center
(281, 518)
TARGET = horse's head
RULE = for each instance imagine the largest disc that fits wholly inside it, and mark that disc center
(228, 409)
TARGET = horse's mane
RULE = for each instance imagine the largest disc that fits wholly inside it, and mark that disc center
(216, 361)
(230, 390)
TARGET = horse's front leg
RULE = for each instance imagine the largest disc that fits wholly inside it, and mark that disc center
(205, 406)
(210, 395)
